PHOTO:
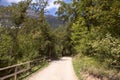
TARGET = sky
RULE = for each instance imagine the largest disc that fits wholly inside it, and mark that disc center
(51, 8)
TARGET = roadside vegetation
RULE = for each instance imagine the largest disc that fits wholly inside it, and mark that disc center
(25, 37)
(33, 70)
(94, 31)
(89, 68)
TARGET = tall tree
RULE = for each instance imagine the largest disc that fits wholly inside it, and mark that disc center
(67, 12)
(16, 13)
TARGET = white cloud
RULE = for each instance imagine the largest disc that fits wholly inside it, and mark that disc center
(15, 1)
(50, 2)
(52, 5)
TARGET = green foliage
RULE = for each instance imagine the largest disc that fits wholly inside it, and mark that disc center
(29, 38)
(17, 12)
(67, 11)
(5, 48)
(85, 65)
(79, 35)
(103, 47)
(107, 49)
(27, 48)
(101, 40)
(92, 29)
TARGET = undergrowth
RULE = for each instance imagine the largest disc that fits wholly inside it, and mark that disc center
(85, 64)
(33, 70)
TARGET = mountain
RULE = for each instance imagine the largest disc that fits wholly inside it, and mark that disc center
(54, 21)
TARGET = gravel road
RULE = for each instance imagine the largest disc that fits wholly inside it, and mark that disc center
(57, 70)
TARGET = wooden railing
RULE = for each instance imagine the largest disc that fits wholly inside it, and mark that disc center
(27, 66)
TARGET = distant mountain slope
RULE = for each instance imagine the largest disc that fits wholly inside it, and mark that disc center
(54, 21)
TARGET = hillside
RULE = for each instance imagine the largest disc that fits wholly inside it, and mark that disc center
(53, 21)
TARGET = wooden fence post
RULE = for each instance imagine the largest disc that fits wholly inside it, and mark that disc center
(29, 66)
(15, 76)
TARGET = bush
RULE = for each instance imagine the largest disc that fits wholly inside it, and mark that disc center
(96, 43)
(107, 49)
(5, 49)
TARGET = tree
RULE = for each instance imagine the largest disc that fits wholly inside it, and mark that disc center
(67, 11)
(101, 18)
(17, 15)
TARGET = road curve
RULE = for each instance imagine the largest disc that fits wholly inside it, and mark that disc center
(57, 70)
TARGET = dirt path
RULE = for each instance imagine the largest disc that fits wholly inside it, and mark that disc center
(57, 70)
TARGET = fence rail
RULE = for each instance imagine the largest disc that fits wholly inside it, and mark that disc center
(16, 71)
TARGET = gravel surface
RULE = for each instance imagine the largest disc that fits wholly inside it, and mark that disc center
(57, 70)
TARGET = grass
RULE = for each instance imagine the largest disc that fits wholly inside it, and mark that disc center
(77, 67)
(33, 70)
(85, 64)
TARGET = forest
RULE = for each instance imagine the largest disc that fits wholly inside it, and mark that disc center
(89, 28)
